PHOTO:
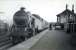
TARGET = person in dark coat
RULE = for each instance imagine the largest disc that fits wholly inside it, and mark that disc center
(50, 26)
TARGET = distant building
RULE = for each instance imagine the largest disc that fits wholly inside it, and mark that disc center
(68, 19)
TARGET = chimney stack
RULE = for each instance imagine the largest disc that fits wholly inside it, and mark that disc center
(73, 8)
(66, 6)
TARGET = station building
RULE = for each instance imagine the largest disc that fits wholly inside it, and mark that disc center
(68, 19)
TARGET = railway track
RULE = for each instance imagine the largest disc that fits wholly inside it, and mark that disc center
(5, 42)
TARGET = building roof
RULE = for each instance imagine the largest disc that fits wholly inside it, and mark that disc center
(66, 12)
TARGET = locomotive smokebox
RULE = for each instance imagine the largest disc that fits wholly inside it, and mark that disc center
(20, 17)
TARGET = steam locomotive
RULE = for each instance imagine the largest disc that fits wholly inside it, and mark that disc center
(20, 29)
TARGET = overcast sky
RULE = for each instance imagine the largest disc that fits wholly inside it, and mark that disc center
(47, 9)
